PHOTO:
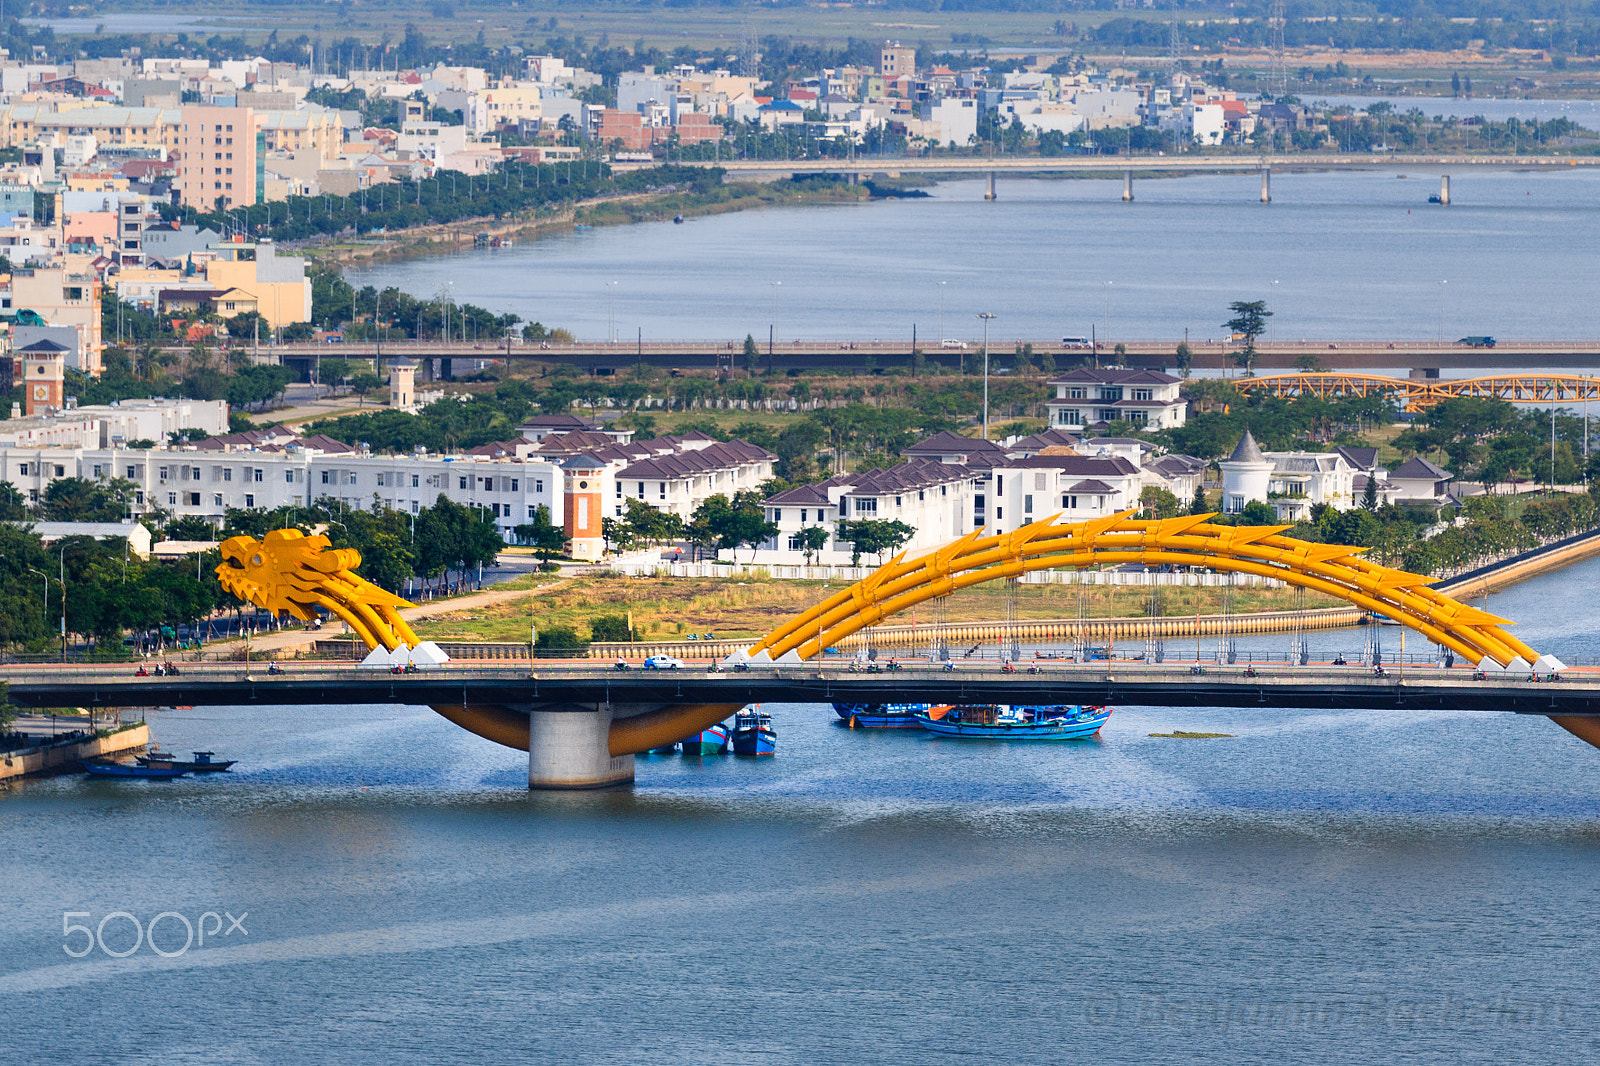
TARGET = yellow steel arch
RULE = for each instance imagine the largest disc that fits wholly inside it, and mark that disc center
(1189, 541)
(1420, 395)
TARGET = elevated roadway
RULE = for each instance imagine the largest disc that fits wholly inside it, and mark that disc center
(1209, 353)
(578, 687)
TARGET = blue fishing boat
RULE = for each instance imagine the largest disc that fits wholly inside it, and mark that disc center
(711, 741)
(202, 763)
(1001, 722)
(880, 715)
(753, 733)
(114, 769)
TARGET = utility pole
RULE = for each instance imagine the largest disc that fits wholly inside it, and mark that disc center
(987, 317)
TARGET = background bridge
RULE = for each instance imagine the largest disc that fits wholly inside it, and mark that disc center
(1420, 394)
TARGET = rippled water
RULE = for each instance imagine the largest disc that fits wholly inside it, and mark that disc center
(1326, 886)
(1336, 255)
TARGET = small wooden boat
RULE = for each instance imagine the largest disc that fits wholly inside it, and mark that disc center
(998, 722)
(753, 733)
(202, 763)
(880, 715)
(712, 741)
(116, 769)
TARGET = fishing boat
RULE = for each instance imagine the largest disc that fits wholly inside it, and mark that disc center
(1001, 722)
(753, 733)
(116, 769)
(711, 741)
(665, 749)
(880, 715)
(202, 763)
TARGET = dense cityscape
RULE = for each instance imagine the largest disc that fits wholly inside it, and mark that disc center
(523, 525)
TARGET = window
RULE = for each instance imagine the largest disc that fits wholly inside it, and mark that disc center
(350, 478)
(532, 512)
(98, 471)
(61, 470)
(641, 490)
(288, 477)
(866, 506)
(133, 472)
(413, 506)
(1143, 394)
(192, 499)
(258, 474)
(463, 482)
(803, 514)
(227, 473)
(414, 480)
(249, 499)
(327, 476)
(777, 514)
(216, 499)
(172, 499)
(999, 484)
(1075, 393)
(1027, 504)
(794, 543)
(1069, 503)
(538, 486)
(513, 488)
(999, 513)
(619, 491)
(1039, 482)
(663, 490)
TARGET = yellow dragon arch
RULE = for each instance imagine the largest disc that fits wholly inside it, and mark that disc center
(1193, 540)
(289, 572)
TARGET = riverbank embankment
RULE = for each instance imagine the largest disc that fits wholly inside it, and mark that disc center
(1506, 572)
(63, 756)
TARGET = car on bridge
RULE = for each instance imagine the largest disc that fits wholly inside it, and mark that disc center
(1477, 342)
(662, 662)
(951, 342)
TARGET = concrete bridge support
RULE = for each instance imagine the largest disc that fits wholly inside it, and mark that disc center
(1127, 186)
(1266, 185)
(991, 195)
(1444, 190)
(569, 747)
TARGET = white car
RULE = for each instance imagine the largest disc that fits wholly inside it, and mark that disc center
(951, 342)
(662, 662)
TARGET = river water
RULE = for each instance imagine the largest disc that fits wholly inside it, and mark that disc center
(1347, 254)
(1323, 887)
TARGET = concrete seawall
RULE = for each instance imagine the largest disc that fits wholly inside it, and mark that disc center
(1507, 572)
(63, 757)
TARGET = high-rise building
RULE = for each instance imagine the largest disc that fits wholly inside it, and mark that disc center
(221, 157)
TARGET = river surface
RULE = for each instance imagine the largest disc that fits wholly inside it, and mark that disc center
(1323, 887)
(1336, 255)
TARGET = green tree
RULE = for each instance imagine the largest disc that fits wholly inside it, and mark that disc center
(610, 628)
(812, 539)
(74, 499)
(1199, 505)
(1249, 321)
(1185, 358)
(752, 354)
(1369, 495)
(720, 523)
(547, 538)
(363, 382)
(1258, 513)
(13, 508)
(1158, 503)
(559, 642)
(873, 536)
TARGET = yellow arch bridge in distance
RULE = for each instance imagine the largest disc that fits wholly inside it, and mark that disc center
(295, 574)
(1418, 395)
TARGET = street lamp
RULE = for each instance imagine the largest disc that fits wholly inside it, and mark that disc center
(1442, 283)
(772, 330)
(46, 577)
(986, 316)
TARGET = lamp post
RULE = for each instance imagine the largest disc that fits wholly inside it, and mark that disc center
(772, 330)
(45, 610)
(1442, 283)
(987, 317)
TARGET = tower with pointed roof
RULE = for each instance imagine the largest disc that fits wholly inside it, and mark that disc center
(1245, 475)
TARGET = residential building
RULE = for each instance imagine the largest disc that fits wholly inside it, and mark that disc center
(221, 157)
(1418, 479)
(1087, 399)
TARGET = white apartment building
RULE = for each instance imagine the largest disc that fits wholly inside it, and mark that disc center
(1088, 398)
(109, 425)
(933, 498)
(1078, 487)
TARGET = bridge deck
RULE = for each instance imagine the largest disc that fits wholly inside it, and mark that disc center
(1122, 682)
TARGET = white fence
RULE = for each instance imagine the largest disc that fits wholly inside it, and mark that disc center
(851, 574)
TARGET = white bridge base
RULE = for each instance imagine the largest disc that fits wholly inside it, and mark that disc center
(570, 749)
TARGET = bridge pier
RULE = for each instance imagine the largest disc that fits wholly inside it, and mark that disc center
(1127, 186)
(991, 195)
(569, 747)
(1444, 190)
(1266, 185)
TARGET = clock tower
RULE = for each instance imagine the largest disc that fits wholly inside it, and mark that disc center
(43, 377)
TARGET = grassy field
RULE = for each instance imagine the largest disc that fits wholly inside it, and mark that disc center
(672, 608)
